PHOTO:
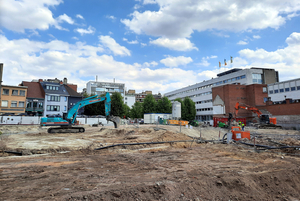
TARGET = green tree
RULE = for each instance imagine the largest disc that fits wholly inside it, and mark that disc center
(189, 111)
(149, 104)
(117, 105)
(126, 110)
(137, 110)
(182, 106)
(164, 105)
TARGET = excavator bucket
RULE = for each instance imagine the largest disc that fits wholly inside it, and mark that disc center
(115, 120)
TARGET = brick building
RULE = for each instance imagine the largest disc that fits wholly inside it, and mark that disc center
(225, 97)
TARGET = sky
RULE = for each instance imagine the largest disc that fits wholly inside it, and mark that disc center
(157, 45)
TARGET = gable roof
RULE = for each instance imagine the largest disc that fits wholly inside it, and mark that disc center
(72, 92)
(35, 90)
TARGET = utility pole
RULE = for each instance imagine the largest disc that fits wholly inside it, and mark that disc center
(1, 73)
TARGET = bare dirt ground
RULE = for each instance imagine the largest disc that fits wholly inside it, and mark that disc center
(66, 166)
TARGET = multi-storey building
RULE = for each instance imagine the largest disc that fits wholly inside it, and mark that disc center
(98, 88)
(280, 91)
(139, 97)
(56, 98)
(13, 99)
(35, 98)
(201, 93)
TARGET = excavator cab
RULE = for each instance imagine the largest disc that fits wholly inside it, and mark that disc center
(265, 119)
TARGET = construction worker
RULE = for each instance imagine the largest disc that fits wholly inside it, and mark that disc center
(240, 124)
(243, 125)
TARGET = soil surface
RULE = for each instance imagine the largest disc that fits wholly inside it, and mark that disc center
(35, 165)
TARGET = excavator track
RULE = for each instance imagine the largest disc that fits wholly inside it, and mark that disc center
(66, 130)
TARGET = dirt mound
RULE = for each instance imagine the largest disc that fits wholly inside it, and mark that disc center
(291, 142)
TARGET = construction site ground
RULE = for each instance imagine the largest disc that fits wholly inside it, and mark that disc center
(35, 165)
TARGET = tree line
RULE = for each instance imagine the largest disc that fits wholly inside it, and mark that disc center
(150, 105)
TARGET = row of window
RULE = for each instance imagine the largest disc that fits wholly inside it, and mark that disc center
(14, 92)
(210, 85)
(230, 80)
(204, 101)
(284, 90)
(204, 117)
(55, 98)
(52, 87)
(5, 103)
(205, 109)
(55, 108)
(34, 104)
(202, 94)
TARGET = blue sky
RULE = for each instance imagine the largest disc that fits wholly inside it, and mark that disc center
(158, 45)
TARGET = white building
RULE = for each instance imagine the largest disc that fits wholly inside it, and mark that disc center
(279, 91)
(129, 100)
(98, 88)
(201, 93)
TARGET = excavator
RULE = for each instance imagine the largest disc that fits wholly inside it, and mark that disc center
(66, 123)
(265, 121)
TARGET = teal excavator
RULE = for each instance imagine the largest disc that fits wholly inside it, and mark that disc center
(66, 124)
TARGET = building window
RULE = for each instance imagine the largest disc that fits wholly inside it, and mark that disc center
(66, 99)
(15, 92)
(281, 90)
(237, 78)
(40, 104)
(53, 98)
(5, 92)
(65, 108)
(243, 76)
(287, 89)
(293, 88)
(51, 87)
(298, 87)
(271, 91)
(13, 104)
(276, 91)
(28, 104)
(264, 89)
(22, 92)
(265, 99)
(257, 78)
(53, 108)
(21, 104)
(4, 103)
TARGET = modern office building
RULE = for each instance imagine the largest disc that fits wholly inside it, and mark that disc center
(280, 91)
(98, 88)
(201, 93)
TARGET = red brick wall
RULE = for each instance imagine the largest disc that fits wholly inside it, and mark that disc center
(251, 95)
(282, 109)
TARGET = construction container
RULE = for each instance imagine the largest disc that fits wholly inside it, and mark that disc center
(225, 120)
(151, 118)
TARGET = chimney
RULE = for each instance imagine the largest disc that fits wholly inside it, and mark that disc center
(65, 80)
(96, 78)
(40, 80)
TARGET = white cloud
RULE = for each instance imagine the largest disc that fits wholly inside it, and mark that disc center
(25, 60)
(285, 60)
(180, 44)
(293, 39)
(111, 44)
(176, 61)
(143, 44)
(75, 38)
(79, 16)
(241, 42)
(21, 15)
(179, 19)
(65, 18)
(151, 64)
(256, 37)
(90, 30)
(111, 17)
(131, 42)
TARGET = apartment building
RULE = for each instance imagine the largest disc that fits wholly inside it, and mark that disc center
(139, 97)
(13, 99)
(99, 88)
(201, 93)
(280, 91)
